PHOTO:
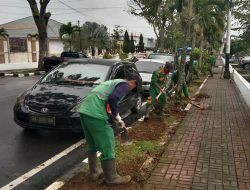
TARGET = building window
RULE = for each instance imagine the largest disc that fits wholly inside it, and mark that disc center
(18, 45)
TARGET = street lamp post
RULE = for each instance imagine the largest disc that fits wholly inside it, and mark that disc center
(228, 39)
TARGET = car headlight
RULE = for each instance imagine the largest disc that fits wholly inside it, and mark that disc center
(20, 99)
(76, 108)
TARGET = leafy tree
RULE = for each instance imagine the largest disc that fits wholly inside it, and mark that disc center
(158, 13)
(41, 18)
(141, 44)
(66, 33)
(132, 44)
(3, 33)
(116, 36)
(95, 35)
(126, 43)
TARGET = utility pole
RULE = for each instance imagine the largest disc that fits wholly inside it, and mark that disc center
(80, 36)
(228, 40)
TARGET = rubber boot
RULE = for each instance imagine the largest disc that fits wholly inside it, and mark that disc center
(147, 112)
(94, 170)
(110, 173)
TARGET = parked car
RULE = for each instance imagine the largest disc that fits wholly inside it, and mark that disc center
(51, 62)
(162, 56)
(245, 62)
(146, 67)
(53, 102)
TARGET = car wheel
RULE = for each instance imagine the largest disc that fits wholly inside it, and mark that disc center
(247, 66)
(138, 105)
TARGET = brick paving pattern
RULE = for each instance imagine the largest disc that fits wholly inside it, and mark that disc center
(211, 148)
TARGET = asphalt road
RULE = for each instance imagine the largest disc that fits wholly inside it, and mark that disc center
(21, 151)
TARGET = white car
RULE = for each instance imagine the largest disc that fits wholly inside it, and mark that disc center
(146, 67)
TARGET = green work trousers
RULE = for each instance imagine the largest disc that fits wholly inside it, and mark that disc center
(154, 92)
(99, 136)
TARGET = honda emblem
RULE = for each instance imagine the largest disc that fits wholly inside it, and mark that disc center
(44, 110)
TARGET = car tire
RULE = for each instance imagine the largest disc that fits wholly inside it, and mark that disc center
(138, 105)
(247, 66)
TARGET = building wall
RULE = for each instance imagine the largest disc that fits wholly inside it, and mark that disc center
(18, 57)
(55, 47)
(32, 54)
(148, 42)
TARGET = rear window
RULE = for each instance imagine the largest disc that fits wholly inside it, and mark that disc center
(147, 67)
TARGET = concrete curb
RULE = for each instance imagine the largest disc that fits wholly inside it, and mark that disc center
(26, 74)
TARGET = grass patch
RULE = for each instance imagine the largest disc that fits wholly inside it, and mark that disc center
(139, 149)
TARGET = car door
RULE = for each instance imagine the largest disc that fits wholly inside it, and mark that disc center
(132, 95)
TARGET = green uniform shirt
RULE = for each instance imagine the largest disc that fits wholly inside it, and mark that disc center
(158, 77)
(195, 64)
(174, 78)
(212, 60)
(94, 105)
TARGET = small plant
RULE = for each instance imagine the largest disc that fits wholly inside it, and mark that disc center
(196, 54)
(123, 55)
(107, 56)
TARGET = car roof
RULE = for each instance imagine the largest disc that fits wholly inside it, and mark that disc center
(108, 62)
(167, 54)
(150, 60)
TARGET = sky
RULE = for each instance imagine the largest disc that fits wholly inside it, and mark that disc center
(106, 12)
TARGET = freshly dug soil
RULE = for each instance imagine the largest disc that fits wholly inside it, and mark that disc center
(152, 129)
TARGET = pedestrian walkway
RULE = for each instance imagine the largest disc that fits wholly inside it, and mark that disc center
(211, 148)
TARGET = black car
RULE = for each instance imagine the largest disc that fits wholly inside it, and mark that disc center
(51, 62)
(53, 102)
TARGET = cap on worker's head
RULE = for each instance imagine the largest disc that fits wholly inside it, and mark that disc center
(169, 66)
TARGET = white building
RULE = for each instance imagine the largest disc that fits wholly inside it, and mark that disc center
(20, 46)
(149, 43)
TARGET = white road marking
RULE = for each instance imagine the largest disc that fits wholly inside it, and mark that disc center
(42, 166)
(56, 185)
(86, 159)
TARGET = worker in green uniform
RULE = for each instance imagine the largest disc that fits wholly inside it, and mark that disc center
(172, 87)
(195, 68)
(158, 85)
(97, 130)
(211, 62)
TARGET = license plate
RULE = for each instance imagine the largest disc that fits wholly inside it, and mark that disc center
(42, 120)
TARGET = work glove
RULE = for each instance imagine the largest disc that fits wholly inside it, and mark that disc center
(120, 123)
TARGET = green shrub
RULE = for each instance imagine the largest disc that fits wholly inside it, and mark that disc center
(123, 55)
(107, 56)
(196, 53)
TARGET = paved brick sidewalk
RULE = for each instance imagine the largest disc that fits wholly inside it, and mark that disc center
(211, 148)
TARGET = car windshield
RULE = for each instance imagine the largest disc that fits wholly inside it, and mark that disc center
(147, 66)
(77, 73)
(163, 57)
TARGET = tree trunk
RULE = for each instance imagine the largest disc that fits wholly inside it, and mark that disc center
(201, 46)
(161, 38)
(41, 19)
(190, 78)
(43, 48)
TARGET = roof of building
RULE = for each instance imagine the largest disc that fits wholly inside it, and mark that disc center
(22, 27)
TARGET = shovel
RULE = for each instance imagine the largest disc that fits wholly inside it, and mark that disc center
(203, 107)
(126, 138)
